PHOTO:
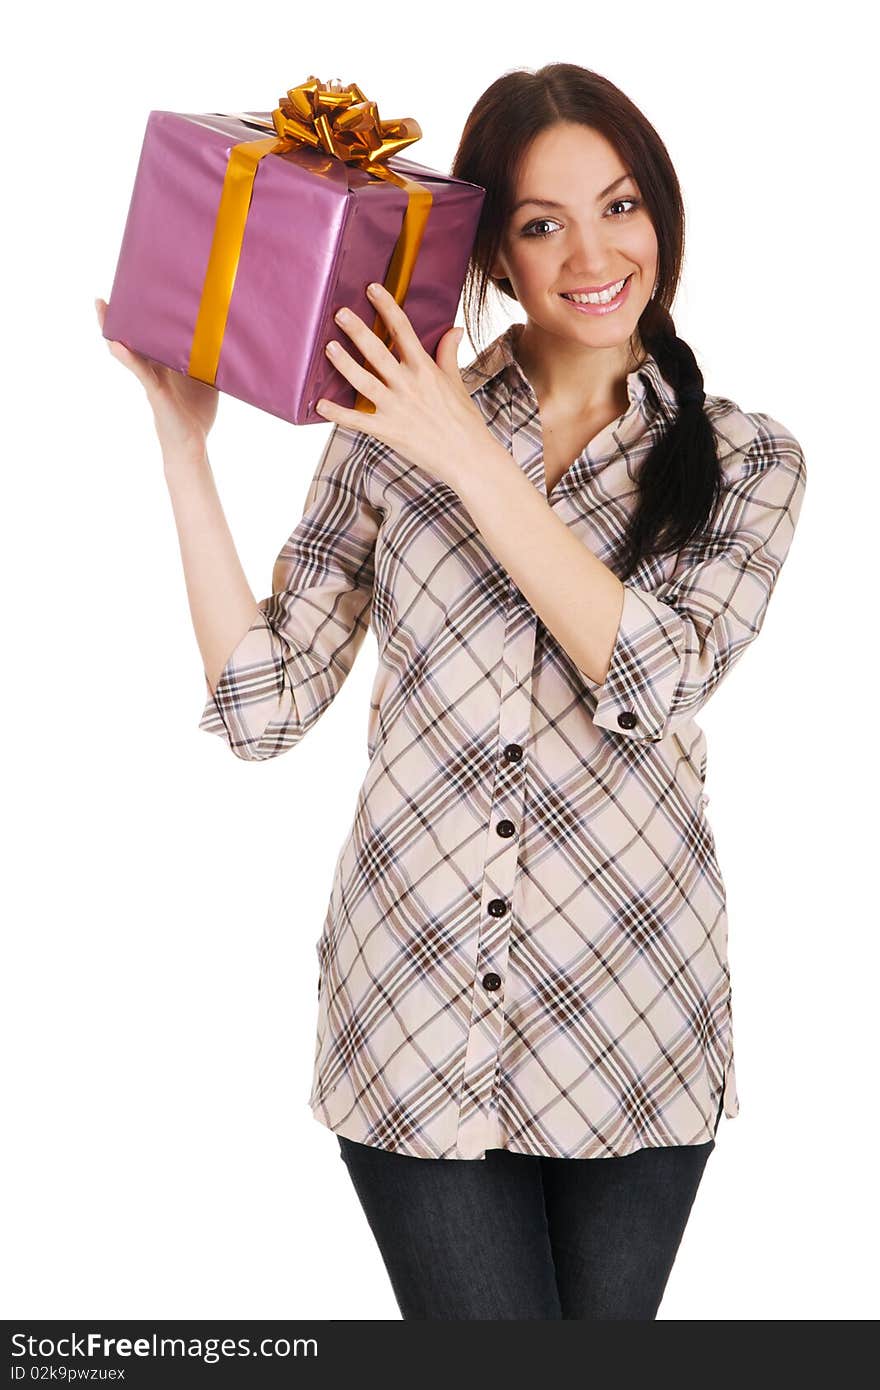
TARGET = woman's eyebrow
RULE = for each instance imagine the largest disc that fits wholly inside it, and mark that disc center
(549, 203)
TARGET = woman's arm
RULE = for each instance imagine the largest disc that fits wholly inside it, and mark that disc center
(650, 658)
(221, 603)
(290, 662)
(184, 410)
(573, 592)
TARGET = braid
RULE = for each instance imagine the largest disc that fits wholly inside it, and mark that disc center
(674, 356)
(680, 480)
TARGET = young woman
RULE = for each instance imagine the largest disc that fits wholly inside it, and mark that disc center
(524, 1039)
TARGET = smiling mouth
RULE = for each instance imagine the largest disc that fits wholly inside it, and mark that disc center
(601, 297)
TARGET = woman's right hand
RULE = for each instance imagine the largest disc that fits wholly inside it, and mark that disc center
(184, 408)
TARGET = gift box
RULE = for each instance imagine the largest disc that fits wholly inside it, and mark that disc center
(247, 231)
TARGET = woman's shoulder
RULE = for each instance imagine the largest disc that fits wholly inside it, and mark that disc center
(751, 440)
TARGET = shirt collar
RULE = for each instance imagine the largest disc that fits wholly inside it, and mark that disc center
(499, 357)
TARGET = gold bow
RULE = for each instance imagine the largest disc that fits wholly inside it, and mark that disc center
(346, 125)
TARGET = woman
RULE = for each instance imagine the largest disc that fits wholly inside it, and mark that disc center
(524, 1036)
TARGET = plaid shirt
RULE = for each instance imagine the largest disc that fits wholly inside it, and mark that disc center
(526, 940)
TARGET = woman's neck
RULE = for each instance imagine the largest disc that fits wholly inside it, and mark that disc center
(571, 381)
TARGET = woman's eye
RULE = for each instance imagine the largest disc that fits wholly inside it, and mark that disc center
(619, 201)
(541, 222)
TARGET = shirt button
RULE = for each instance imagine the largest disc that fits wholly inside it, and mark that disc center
(626, 719)
(491, 981)
(506, 828)
(497, 907)
(512, 753)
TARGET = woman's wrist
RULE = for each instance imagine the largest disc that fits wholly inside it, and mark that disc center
(184, 458)
(487, 466)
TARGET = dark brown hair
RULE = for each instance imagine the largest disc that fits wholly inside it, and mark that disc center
(680, 479)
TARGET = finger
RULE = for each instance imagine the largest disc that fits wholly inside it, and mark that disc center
(341, 415)
(368, 384)
(405, 336)
(446, 355)
(374, 351)
(138, 365)
(117, 348)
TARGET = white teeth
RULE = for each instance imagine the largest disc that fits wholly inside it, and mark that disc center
(603, 298)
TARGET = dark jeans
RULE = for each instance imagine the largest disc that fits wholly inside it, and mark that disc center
(523, 1236)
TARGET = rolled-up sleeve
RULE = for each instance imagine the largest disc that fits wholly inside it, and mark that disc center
(676, 643)
(293, 659)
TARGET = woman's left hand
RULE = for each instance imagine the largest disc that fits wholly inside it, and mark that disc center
(422, 407)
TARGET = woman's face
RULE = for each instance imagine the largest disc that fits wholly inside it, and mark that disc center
(587, 235)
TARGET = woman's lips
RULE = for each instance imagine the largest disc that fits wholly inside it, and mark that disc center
(608, 308)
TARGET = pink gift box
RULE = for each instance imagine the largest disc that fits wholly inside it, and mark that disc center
(318, 231)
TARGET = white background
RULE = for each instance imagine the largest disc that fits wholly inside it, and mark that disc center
(163, 899)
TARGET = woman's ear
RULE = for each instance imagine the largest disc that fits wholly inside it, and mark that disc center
(497, 270)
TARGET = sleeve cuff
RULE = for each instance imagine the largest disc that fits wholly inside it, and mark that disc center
(248, 693)
(636, 696)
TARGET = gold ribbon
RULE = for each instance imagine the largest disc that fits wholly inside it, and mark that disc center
(344, 123)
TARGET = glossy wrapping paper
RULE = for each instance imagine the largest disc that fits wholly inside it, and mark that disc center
(318, 230)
